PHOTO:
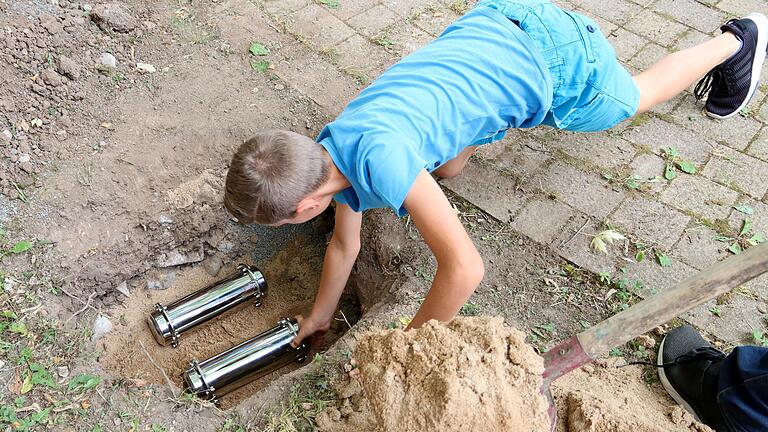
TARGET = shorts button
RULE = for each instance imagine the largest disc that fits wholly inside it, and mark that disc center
(437, 164)
(590, 28)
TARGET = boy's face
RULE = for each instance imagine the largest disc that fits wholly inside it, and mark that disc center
(307, 212)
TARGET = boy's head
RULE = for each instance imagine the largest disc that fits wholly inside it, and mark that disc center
(273, 177)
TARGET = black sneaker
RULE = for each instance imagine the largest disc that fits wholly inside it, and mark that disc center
(732, 83)
(689, 368)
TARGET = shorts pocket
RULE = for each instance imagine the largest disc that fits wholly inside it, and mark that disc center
(586, 29)
(601, 113)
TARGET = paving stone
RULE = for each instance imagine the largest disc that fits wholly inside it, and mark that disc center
(349, 8)
(656, 278)
(408, 8)
(284, 7)
(741, 7)
(626, 43)
(488, 189)
(319, 27)
(650, 169)
(361, 54)
(758, 287)
(304, 72)
(759, 217)
(738, 318)
(648, 56)
(656, 27)
(738, 171)
(735, 132)
(584, 191)
(650, 221)
(658, 134)
(691, 38)
(692, 13)
(521, 156)
(434, 21)
(374, 20)
(759, 147)
(699, 195)
(619, 12)
(699, 248)
(573, 244)
(542, 219)
(605, 26)
(601, 149)
(404, 39)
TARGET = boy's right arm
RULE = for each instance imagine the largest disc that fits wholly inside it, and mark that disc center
(340, 256)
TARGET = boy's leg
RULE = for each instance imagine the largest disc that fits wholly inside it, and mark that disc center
(453, 167)
(734, 59)
(727, 393)
(743, 388)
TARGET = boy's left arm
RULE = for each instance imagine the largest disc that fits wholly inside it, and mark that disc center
(459, 266)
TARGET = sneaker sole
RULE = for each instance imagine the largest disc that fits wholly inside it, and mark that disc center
(757, 63)
(670, 388)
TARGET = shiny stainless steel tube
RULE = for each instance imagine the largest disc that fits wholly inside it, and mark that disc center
(242, 364)
(169, 322)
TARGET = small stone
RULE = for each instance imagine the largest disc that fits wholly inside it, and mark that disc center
(6, 136)
(51, 77)
(659, 331)
(351, 389)
(225, 246)
(213, 265)
(24, 158)
(68, 67)
(113, 16)
(307, 406)
(145, 68)
(28, 167)
(165, 220)
(122, 288)
(646, 341)
(762, 308)
(62, 371)
(108, 60)
(101, 326)
(588, 369)
(2, 364)
(279, 87)
(51, 24)
(162, 280)
(176, 257)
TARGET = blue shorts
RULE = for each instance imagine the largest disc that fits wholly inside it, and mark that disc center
(592, 91)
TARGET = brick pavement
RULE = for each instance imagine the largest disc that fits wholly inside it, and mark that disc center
(562, 188)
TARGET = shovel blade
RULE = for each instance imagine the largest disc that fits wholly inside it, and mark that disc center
(558, 361)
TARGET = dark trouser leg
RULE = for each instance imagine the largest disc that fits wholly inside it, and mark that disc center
(743, 389)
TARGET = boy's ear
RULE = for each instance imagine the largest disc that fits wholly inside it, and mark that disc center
(307, 203)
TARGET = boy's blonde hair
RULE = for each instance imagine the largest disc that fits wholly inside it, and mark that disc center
(271, 173)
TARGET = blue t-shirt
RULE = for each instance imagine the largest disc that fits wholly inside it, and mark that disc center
(482, 76)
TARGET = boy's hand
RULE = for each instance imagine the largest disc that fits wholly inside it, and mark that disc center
(309, 326)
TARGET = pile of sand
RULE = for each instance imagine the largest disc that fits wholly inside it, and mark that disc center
(470, 374)
(476, 374)
(607, 397)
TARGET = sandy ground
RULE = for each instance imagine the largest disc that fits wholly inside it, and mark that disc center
(477, 374)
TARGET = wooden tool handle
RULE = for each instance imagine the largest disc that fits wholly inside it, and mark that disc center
(668, 304)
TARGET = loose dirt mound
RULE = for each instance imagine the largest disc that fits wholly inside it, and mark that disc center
(605, 398)
(453, 377)
(476, 374)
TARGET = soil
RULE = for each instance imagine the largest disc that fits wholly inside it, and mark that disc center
(476, 374)
(610, 397)
(472, 371)
(291, 275)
